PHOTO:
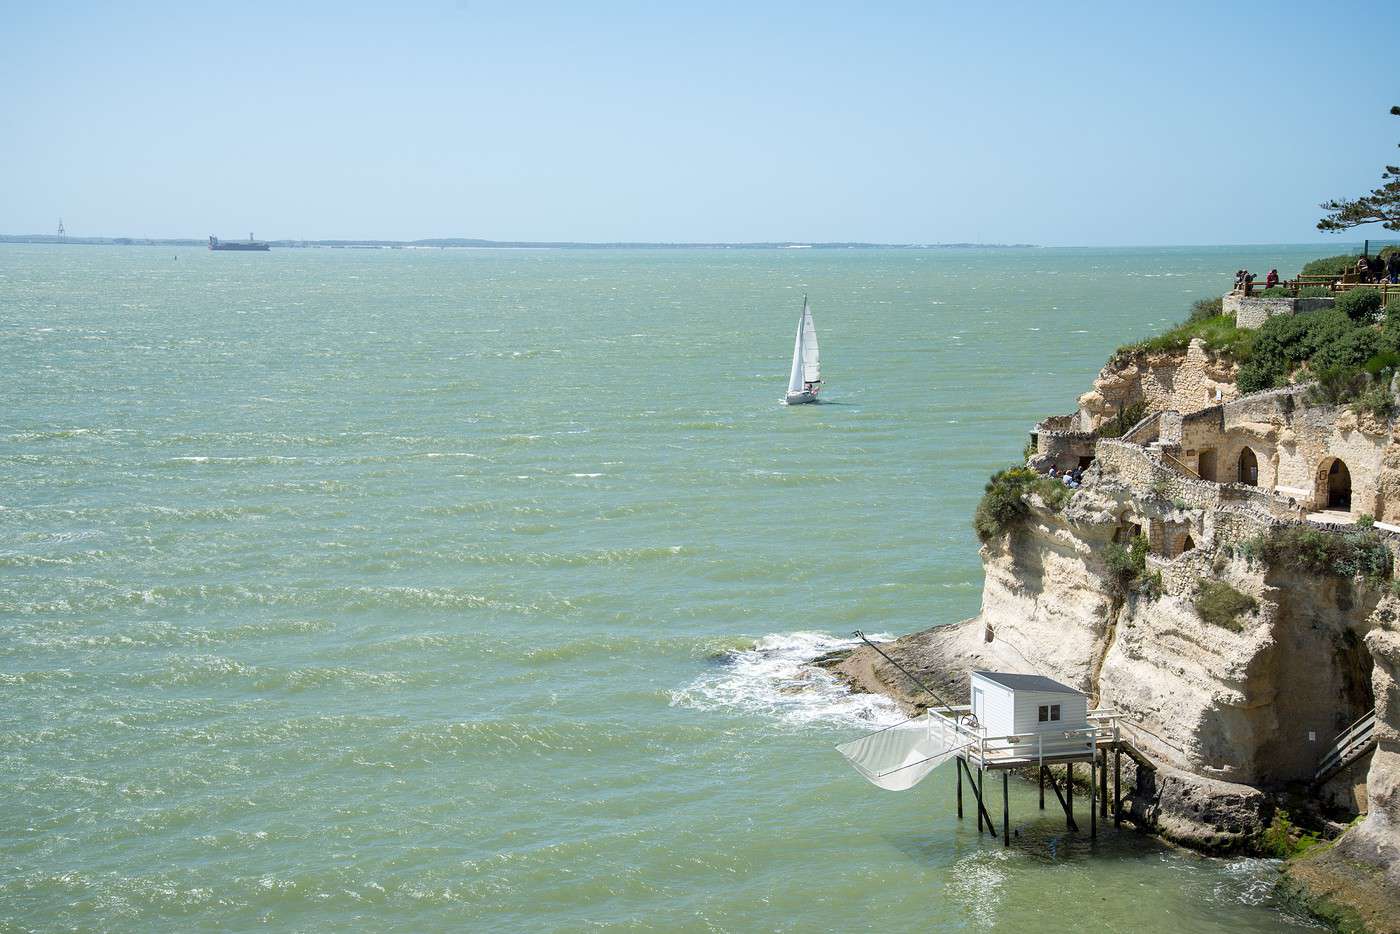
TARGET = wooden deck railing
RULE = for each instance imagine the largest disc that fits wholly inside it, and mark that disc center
(1333, 284)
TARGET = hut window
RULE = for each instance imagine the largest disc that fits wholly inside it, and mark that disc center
(1049, 712)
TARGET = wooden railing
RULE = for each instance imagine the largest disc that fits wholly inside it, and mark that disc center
(1333, 284)
(1350, 745)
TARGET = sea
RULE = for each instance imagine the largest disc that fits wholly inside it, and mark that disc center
(474, 590)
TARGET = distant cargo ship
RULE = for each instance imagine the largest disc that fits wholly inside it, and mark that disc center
(250, 244)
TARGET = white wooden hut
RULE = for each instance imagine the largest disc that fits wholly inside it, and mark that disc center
(1008, 705)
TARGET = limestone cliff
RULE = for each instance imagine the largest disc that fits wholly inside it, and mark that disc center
(1235, 711)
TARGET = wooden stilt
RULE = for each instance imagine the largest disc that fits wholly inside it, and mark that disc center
(1117, 791)
(1069, 796)
(1093, 790)
(1040, 773)
(981, 802)
(1103, 784)
(1005, 810)
(958, 773)
(1064, 804)
(983, 818)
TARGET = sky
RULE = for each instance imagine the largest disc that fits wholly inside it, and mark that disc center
(1054, 124)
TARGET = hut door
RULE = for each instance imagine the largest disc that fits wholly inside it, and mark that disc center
(978, 703)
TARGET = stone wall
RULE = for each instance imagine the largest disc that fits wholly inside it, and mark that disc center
(1059, 443)
(1253, 311)
(1291, 446)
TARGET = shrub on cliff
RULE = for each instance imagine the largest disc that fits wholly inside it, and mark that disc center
(1221, 605)
(1283, 343)
(1217, 331)
(1354, 553)
(1359, 304)
(1331, 265)
(1127, 569)
(1207, 308)
(1120, 423)
(1003, 502)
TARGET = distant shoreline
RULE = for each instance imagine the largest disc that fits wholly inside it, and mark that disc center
(470, 244)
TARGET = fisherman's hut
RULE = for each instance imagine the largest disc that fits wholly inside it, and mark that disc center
(1020, 706)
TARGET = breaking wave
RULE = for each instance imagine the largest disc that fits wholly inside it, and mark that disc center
(775, 677)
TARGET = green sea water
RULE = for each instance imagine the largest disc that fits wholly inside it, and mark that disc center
(471, 590)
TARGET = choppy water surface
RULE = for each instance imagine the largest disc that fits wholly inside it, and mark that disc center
(443, 590)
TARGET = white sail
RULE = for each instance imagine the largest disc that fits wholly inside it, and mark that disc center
(811, 365)
(795, 379)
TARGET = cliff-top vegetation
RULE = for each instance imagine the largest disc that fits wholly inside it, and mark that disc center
(1351, 350)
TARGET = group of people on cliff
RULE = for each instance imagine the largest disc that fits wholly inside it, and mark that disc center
(1378, 269)
(1071, 478)
(1244, 278)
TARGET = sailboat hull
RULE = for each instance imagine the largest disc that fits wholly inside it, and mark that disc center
(798, 398)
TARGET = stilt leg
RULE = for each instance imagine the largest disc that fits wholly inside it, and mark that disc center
(981, 799)
(1069, 796)
(1093, 789)
(1117, 791)
(958, 773)
(1103, 784)
(1041, 776)
(1005, 810)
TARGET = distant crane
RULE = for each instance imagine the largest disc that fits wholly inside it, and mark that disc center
(62, 234)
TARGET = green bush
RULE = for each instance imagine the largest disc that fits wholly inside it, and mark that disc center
(1282, 839)
(1127, 569)
(1277, 291)
(1331, 265)
(1125, 419)
(1003, 502)
(1325, 339)
(1221, 605)
(1314, 291)
(1337, 386)
(1219, 333)
(1346, 554)
(1359, 304)
(1205, 308)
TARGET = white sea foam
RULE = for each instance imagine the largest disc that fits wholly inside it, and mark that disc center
(775, 678)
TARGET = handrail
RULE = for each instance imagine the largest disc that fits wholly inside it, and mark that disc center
(1180, 464)
(1131, 433)
(1348, 746)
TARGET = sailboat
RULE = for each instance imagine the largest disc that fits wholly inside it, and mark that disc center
(806, 379)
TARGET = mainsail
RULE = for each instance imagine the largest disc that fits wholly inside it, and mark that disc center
(811, 366)
(795, 379)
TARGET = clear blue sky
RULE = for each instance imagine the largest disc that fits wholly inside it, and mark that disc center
(1118, 123)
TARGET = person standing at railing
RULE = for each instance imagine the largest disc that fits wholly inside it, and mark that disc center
(1393, 267)
(1271, 279)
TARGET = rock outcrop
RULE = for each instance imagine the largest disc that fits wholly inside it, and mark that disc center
(1183, 381)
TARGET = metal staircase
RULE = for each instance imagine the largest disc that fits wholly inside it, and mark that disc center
(1353, 743)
